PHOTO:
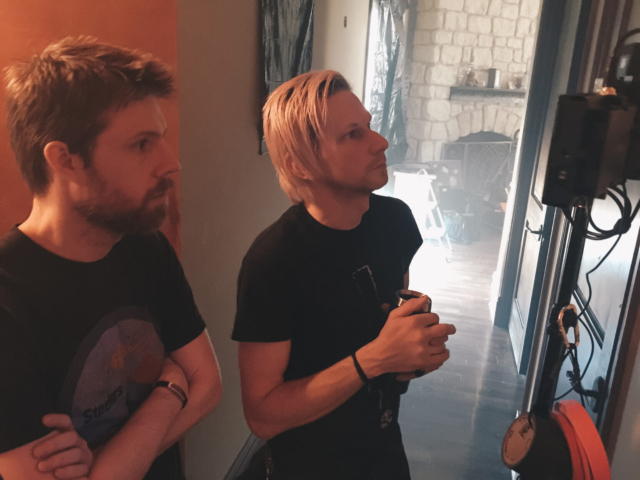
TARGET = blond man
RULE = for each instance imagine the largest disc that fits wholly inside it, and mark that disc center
(317, 352)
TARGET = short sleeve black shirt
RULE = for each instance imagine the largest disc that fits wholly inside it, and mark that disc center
(302, 281)
(88, 339)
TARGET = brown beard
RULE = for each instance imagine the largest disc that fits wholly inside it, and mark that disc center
(114, 213)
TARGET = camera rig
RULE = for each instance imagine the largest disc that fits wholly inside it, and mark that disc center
(595, 149)
(596, 140)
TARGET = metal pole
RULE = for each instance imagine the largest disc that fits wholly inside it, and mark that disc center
(555, 348)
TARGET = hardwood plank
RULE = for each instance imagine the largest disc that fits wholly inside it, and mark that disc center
(453, 420)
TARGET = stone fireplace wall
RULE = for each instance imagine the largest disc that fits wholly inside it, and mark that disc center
(449, 35)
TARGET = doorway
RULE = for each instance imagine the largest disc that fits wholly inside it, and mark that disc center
(453, 147)
(480, 153)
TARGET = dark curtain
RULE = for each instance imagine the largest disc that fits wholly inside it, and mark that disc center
(389, 90)
(287, 38)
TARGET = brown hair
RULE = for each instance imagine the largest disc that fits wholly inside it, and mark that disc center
(294, 120)
(64, 95)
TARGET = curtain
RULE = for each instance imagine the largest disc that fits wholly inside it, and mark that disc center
(389, 89)
(287, 36)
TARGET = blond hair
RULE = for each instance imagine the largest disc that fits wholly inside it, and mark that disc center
(294, 121)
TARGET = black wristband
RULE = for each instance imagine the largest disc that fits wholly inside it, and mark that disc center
(175, 389)
(361, 373)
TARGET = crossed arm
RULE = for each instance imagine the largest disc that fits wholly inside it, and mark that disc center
(155, 426)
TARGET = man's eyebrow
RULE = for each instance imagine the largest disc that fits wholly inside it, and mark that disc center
(149, 133)
(355, 124)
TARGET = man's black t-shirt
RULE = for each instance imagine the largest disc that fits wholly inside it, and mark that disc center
(305, 282)
(88, 339)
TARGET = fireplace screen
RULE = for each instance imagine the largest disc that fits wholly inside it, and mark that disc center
(487, 167)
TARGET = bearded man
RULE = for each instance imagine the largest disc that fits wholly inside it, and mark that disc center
(105, 361)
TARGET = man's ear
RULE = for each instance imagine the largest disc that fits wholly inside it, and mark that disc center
(298, 171)
(61, 161)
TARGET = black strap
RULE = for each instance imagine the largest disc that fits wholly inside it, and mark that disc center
(361, 373)
(175, 389)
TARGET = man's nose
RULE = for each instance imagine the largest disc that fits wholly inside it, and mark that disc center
(380, 143)
(169, 163)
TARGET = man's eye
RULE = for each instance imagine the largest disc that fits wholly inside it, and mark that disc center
(142, 145)
(352, 134)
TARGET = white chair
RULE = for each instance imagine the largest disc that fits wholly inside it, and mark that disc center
(416, 190)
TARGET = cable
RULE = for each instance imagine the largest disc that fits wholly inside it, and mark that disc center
(616, 52)
(576, 374)
(584, 309)
(621, 226)
(624, 38)
(571, 389)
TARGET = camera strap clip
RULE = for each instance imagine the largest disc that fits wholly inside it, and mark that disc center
(569, 316)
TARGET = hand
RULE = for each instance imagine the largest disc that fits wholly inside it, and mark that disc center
(407, 342)
(63, 452)
(171, 372)
(435, 342)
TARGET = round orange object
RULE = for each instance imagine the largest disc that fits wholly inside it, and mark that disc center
(588, 457)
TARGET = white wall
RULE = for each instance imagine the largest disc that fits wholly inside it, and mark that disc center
(228, 192)
(626, 457)
(338, 48)
(634, 21)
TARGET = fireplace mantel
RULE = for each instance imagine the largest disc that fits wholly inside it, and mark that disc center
(488, 95)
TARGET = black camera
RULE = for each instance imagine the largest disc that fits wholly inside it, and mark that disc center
(596, 139)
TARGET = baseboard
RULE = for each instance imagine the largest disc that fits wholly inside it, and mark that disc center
(251, 446)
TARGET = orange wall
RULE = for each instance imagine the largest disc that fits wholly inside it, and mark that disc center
(28, 26)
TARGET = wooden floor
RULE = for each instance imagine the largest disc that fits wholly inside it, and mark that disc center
(453, 420)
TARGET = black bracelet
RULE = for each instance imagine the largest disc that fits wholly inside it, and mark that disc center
(175, 389)
(361, 373)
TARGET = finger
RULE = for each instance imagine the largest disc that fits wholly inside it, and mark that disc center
(436, 350)
(46, 437)
(426, 319)
(385, 307)
(71, 456)
(440, 330)
(413, 305)
(440, 357)
(56, 444)
(405, 377)
(432, 368)
(75, 472)
(58, 421)
(436, 342)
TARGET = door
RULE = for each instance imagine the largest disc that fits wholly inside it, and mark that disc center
(557, 60)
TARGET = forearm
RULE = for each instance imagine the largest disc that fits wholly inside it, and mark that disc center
(130, 453)
(20, 464)
(298, 402)
(202, 399)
